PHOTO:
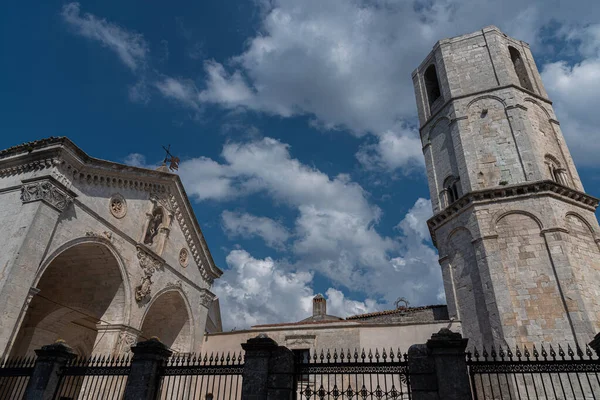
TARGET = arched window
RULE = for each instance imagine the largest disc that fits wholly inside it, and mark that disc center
(520, 68)
(556, 173)
(432, 85)
(451, 192)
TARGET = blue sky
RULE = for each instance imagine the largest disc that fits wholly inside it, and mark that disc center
(295, 121)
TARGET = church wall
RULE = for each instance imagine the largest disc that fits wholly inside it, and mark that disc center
(346, 335)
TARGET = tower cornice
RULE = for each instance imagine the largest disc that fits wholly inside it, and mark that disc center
(510, 193)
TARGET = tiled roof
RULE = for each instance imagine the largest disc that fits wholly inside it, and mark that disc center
(395, 311)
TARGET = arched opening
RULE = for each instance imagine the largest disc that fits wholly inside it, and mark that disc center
(432, 84)
(81, 288)
(520, 68)
(169, 320)
(554, 170)
(450, 193)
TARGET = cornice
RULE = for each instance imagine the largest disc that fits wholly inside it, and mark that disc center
(511, 192)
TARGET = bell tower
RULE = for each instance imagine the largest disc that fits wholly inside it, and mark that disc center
(516, 233)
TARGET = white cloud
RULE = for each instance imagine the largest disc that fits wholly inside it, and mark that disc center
(130, 47)
(247, 226)
(182, 91)
(136, 160)
(335, 230)
(259, 291)
(348, 63)
(575, 90)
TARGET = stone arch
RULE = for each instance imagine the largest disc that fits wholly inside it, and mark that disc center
(443, 158)
(534, 303)
(496, 157)
(486, 96)
(169, 317)
(584, 279)
(82, 286)
(501, 215)
(583, 220)
(547, 138)
(432, 84)
(115, 253)
(520, 68)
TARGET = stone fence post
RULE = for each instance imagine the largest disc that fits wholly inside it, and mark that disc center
(268, 370)
(144, 377)
(438, 369)
(45, 377)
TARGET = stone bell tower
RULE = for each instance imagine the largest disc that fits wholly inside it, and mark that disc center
(516, 233)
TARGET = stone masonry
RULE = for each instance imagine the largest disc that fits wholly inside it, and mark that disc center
(517, 235)
(97, 253)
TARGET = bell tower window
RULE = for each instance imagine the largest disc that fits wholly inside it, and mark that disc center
(556, 173)
(520, 68)
(432, 85)
(450, 193)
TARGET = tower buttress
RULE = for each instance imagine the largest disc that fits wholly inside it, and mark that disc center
(516, 233)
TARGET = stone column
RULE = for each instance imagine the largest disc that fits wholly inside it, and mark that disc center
(268, 370)
(438, 369)
(45, 377)
(144, 377)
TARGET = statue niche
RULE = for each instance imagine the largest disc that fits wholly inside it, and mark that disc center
(154, 224)
(157, 227)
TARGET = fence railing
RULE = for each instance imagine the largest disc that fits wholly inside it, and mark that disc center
(14, 376)
(346, 375)
(93, 378)
(216, 377)
(534, 374)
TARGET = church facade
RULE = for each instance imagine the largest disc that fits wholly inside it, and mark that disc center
(516, 233)
(98, 254)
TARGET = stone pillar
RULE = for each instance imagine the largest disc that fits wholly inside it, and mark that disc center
(438, 369)
(45, 377)
(115, 339)
(144, 377)
(268, 370)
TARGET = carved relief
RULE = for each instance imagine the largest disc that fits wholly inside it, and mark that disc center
(46, 191)
(144, 289)
(103, 235)
(149, 264)
(125, 341)
(184, 258)
(117, 206)
(206, 298)
(176, 284)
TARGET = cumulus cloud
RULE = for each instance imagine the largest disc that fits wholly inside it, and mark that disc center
(575, 90)
(348, 63)
(131, 47)
(247, 225)
(259, 291)
(335, 229)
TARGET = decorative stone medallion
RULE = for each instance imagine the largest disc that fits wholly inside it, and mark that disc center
(118, 206)
(184, 258)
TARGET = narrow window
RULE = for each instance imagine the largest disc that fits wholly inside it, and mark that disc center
(520, 68)
(432, 85)
(557, 174)
(451, 193)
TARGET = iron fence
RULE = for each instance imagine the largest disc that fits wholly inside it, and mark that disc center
(14, 376)
(93, 378)
(343, 375)
(214, 377)
(535, 374)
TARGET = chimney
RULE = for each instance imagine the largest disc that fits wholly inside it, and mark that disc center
(319, 306)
